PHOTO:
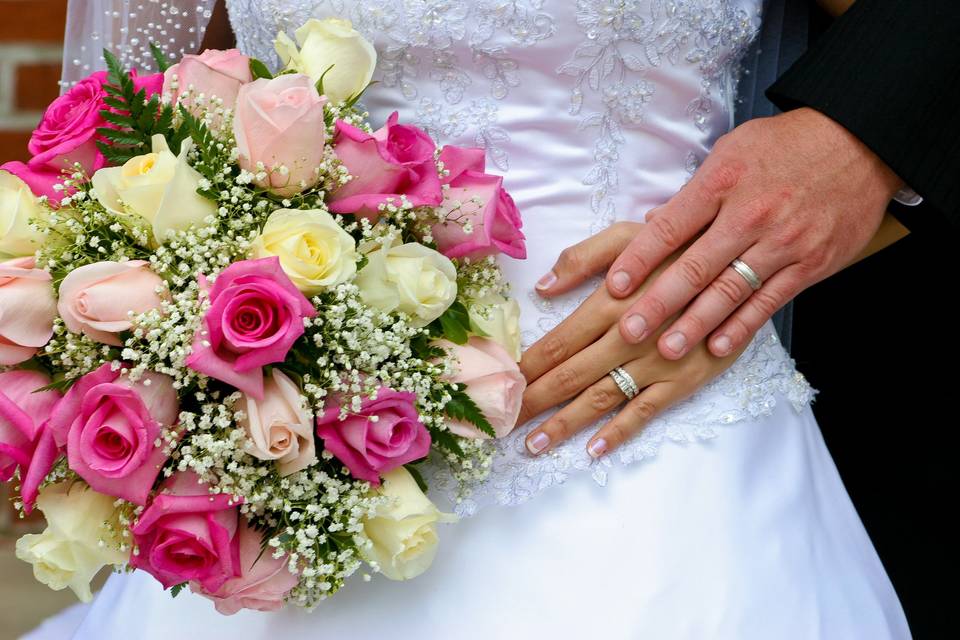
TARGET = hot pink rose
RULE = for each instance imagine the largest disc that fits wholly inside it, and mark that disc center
(110, 426)
(477, 198)
(255, 316)
(494, 382)
(97, 298)
(27, 310)
(280, 122)
(25, 441)
(264, 581)
(370, 448)
(213, 73)
(188, 534)
(40, 179)
(393, 161)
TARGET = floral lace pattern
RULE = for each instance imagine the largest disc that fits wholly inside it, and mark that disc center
(415, 41)
(624, 40)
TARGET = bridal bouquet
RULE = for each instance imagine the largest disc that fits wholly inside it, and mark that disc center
(235, 319)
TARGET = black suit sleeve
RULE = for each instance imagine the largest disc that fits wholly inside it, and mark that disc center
(889, 72)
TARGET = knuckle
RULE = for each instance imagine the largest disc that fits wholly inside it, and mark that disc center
(559, 428)
(766, 302)
(695, 270)
(632, 262)
(738, 330)
(724, 176)
(728, 289)
(616, 433)
(666, 231)
(600, 399)
(656, 308)
(571, 259)
(555, 348)
(568, 380)
(642, 410)
(755, 214)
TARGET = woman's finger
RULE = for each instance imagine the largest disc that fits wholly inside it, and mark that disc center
(583, 411)
(580, 261)
(636, 414)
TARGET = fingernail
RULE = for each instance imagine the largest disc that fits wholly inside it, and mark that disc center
(538, 443)
(722, 345)
(636, 326)
(620, 280)
(676, 342)
(597, 448)
(547, 281)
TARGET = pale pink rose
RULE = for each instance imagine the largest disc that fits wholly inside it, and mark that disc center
(279, 427)
(396, 160)
(256, 314)
(27, 310)
(280, 122)
(494, 382)
(110, 426)
(97, 299)
(188, 534)
(212, 73)
(370, 448)
(264, 581)
(477, 198)
(25, 440)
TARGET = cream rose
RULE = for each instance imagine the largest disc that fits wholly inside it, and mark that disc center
(315, 252)
(18, 206)
(279, 426)
(69, 553)
(330, 44)
(404, 531)
(158, 186)
(499, 318)
(410, 278)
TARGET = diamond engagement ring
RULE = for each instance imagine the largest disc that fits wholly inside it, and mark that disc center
(626, 383)
(747, 273)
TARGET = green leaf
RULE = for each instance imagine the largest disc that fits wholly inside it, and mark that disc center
(177, 588)
(118, 136)
(455, 323)
(448, 441)
(462, 407)
(259, 70)
(417, 476)
(163, 63)
(320, 81)
(353, 99)
(118, 119)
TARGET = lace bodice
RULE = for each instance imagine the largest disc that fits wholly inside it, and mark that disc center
(596, 111)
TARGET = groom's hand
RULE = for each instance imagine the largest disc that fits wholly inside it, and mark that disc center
(795, 197)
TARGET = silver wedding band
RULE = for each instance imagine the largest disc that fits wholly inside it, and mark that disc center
(625, 382)
(747, 273)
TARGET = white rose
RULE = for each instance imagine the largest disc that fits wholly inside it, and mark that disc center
(69, 553)
(404, 531)
(158, 186)
(18, 205)
(315, 252)
(410, 278)
(279, 426)
(330, 42)
(499, 318)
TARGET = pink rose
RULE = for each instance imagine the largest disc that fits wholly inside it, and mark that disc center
(40, 179)
(494, 382)
(110, 426)
(393, 161)
(279, 427)
(280, 122)
(97, 299)
(370, 448)
(477, 198)
(27, 310)
(264, 581)
(188, 534)
(213, 73)
(255, 316)
(25, 440)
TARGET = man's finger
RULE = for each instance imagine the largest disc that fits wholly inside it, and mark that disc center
(682, 281)
(675, 223)
(584, 259)
(717, 303)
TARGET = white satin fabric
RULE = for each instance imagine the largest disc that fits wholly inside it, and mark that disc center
(737, 525)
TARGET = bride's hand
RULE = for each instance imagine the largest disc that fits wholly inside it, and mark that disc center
(573, 361)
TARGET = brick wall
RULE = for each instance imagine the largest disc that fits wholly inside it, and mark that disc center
(31, 43)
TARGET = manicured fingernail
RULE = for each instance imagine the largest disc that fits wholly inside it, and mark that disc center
(547, 281)
(722, 345)
(597, 448)
(676, 342)
(538, 443)
(620, 280)
(636, 326)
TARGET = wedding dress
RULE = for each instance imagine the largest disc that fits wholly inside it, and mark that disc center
(725, 518)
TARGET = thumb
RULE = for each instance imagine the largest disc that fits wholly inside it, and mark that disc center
(579, 262)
